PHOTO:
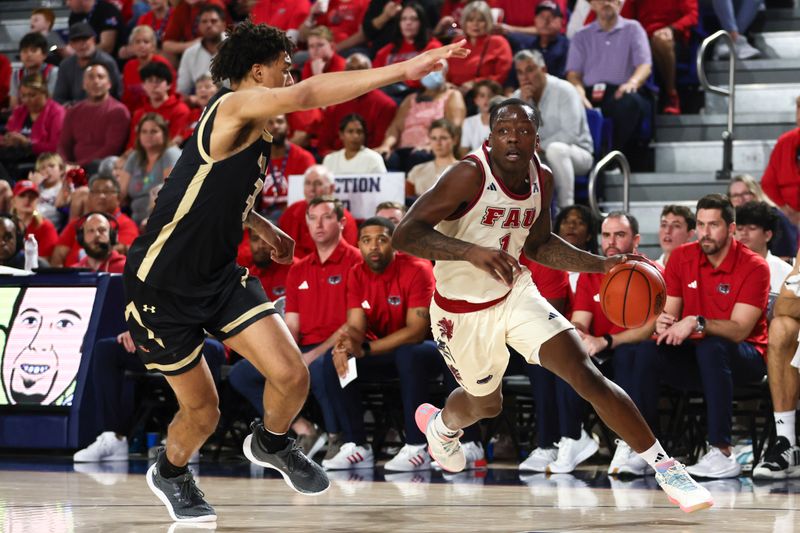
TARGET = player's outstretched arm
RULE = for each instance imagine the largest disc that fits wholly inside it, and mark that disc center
(550, 250)
(334, 87)
(453, 192)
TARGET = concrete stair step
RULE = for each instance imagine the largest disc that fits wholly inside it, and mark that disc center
(756, 71)
(778, 44)
(706, 156)
(705, 127)
(787, 19)
(656, 187)
(756, 98)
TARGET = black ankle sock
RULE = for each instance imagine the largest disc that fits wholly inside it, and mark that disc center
(270, 441)
(168, 470)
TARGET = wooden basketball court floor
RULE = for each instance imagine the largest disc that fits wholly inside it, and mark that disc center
(39, 495)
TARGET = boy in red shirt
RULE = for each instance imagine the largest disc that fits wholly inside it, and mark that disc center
(156, 80)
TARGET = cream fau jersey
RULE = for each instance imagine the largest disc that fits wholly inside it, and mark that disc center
(497, 218)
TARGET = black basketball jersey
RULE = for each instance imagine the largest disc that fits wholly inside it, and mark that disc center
(193, 234)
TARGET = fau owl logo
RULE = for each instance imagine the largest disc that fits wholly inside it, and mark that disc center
(512, 217)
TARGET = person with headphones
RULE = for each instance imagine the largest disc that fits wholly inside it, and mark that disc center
(97, 235)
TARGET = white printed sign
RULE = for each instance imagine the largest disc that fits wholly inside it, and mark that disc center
(360, 193)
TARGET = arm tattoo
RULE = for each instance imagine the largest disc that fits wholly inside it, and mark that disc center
(556, 253)
(421, 240)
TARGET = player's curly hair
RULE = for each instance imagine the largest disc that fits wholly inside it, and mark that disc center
(248, 44)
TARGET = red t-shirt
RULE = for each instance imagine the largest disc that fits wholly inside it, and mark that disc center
(490, 58)
(343, 18)
(115, 264)
(587, 298)
(317, 292)
(386, 298)
(282, 14)
(128, 231)
(293, 222)
(159, 25)
(336, 64)
(680, 15)
(742, 277)
(781, 179)
(45, 234)
(276, 184)
(183, 21)
(552, 284)
(386, 56)
(376, 107)
(133, 95)
(174, 111)
(307, 120)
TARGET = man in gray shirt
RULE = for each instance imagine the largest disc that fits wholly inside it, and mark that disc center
(69, 85)
(564, 134)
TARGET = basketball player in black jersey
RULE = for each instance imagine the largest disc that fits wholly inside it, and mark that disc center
(181, 276)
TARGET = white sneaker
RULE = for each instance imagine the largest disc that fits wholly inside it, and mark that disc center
(538, 460)
(350, 456)
(722, 50)
(573, 452)
(715, 465)
(447, 451)
(744, 50)
(410, 458)
(107, 447)
(626, 461)
(682, 490)
(473, 453)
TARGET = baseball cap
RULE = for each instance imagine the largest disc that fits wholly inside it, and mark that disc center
(549, 5)
(24, 186)
(81, 30)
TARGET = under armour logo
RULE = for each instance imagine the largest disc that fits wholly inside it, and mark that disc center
(551, 315)
(148, 308)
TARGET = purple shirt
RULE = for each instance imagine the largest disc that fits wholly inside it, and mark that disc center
(608, 57)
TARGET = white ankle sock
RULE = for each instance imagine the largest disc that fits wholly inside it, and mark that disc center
(785, 425)
(441, 428)
(654, 455)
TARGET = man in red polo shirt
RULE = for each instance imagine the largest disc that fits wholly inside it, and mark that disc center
(103, 198)
(713, 331)
(377, 108)
(97, 235)
(388, 296)
(317, 181)
(604, 342)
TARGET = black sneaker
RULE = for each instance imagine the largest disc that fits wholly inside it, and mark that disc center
(180, 494)
(781, 461)
(302, 474)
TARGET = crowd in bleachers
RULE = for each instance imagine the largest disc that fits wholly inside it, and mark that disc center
(95, 115)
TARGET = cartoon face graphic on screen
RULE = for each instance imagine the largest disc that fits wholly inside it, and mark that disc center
(44, 345)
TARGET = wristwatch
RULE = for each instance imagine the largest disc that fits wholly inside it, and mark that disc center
(366, 349)
(609, 339)
(701, 324)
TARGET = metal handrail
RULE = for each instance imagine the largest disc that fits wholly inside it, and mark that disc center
(727, 135)
(616, 155)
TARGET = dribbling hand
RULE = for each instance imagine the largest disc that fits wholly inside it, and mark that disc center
(614, 260)
(497, 263)
(431, 60)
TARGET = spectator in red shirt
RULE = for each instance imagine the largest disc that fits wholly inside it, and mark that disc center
(143, 51)
(322, 56)
(286, 15)
(412, 37)
(103, 198)
(272, 275)
(157, 18)
(343, 17)
(182, 29)
(97, 235)
(712, 333)
(491, 54)
(317, 181)
(286, 159)
(156, 80)
(668, 24)
(388, 296)
(781, 179)
(518, 21)
(676, 227)
(204, 89)
(23, 206)
(376, 107)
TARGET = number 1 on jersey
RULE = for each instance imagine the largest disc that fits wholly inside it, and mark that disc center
(504, 241)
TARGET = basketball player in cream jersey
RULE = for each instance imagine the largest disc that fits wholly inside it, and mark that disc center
(481, 214)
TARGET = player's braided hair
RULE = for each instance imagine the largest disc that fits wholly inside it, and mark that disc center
(248, 44)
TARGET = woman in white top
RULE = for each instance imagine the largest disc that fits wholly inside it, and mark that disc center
(443, 139)
(475, 129)
(354, 158)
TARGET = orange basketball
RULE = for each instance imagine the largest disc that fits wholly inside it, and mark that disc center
(632, 293)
